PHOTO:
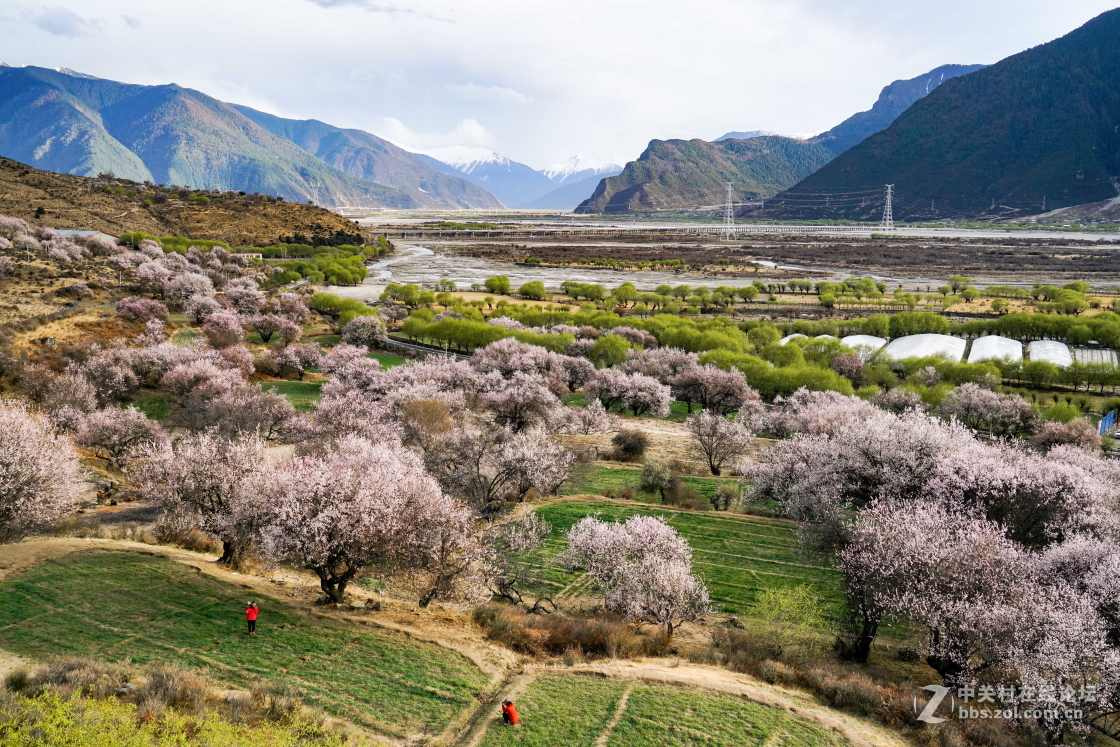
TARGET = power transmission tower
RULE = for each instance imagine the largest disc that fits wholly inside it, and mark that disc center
(729, 217)
(313, 185)
(888, 210)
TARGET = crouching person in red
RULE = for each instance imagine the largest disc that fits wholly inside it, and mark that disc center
(509, 713)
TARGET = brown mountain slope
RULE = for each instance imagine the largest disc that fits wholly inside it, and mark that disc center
(676, 174)
(84, 203)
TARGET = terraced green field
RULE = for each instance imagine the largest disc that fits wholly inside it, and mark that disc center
(736, 555)
(120, 605)
(579, 711)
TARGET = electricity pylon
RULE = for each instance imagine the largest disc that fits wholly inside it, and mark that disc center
(729, 217)
(888, 212)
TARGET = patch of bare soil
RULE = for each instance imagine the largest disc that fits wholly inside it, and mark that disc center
(669, 442)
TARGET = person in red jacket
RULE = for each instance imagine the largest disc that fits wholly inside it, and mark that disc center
(509, 713)
(251, 613)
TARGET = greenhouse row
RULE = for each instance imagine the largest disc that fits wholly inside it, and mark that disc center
(991, 347)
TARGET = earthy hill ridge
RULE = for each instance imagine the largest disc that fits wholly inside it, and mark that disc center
(369, 157)
(675, 174)
(698, 174)
(73, 123)
(76, 202)
(1040, 127)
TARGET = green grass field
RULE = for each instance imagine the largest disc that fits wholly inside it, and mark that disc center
(118, 605)
(303, 395)
(594, 479)
(736, 555)
(185, 336)
(387, 360)
(156, 405)
(575, 711)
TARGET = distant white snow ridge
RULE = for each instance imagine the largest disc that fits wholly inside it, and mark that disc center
(578, 164)
(466, 158)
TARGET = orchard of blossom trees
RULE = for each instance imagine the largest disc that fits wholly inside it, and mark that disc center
(1004, 554)
(1000, 553)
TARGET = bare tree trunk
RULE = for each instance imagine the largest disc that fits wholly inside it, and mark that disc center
(334, 586)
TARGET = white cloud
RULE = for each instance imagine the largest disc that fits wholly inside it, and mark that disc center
(62, 21)
(374, 7)
(468, 132)
(493, 94)
(132, 22)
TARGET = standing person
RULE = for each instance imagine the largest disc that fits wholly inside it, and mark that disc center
(509, 713)
(251, 613)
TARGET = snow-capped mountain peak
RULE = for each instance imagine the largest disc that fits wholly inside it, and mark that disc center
(577, 164)
(466, 158)
(806, 135)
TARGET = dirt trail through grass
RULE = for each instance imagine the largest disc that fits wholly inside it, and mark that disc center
(488, 713)
(608, 730)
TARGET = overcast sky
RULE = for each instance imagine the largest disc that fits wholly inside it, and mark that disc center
(536, 80)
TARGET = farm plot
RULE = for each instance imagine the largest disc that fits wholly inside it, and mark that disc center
(119, 605)
(737, 556)
(580, 711)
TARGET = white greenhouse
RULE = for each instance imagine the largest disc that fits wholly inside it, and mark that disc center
(787, 338)
(994, 347)
(864, 341)
(1050, 351)
(923, 346)
(865, 345)
(1095, 355)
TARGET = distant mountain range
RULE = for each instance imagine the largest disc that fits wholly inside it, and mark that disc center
(73, 123)
(369, 157)
(675, 174)
(1041, 127)
(561, 186)
(744, 135)
(672, 175)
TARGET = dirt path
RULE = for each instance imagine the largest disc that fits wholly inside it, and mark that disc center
(509, 674)
(605, 736)
(488, 713)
